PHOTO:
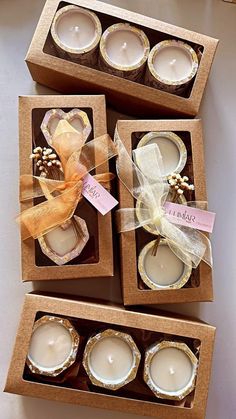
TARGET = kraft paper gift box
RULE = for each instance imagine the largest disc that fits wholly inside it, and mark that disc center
(145, 329)
(96, 259)
(47, 68)
(199, 286)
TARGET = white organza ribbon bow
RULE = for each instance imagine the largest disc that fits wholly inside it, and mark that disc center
(189, 244)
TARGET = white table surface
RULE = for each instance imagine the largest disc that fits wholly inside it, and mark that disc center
(212, 17)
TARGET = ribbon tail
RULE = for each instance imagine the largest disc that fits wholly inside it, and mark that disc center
(189, 245)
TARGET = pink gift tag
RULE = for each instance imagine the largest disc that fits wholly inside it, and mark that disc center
(97, 195)
(190, 217)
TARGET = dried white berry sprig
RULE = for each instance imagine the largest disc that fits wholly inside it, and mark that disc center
(46, 161)
(179, 184)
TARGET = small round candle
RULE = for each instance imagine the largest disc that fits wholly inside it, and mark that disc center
(111, 359)
(123, 51)
(53, 346)
(164, 270)
(172, 149)
(171, 66)
(76, 32)
(170, 370)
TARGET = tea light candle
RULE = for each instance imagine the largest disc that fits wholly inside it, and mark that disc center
(65, 242)
(76, 33)
(172, 149)
(77, 118)
(53, 346)
(123, 51)
(111, 359)
(170, 370)
(171, 66)
(164, 270)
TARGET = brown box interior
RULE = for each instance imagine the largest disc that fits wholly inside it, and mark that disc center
(199, 286)
(74, 386)
(91, 255)
(118, 90)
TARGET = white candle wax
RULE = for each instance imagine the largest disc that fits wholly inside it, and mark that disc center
(111, 359)
(54, 121)
(124, 48)
(62, 241)
(171, 148)
(50, 345)
(173, 63)
(171, 369)
(76, 29)
(170, 154)
(163, 269)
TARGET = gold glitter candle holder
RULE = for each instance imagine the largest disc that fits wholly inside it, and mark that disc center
(153, 79)
(76, 117)
(179, 283)
(55, 370)
(132, 72)
(95, 378)
(87, 55)
(157, 390)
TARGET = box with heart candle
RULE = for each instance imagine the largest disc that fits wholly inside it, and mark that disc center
(88, 353)
(143, 65)
(64, 236)
(162, 262)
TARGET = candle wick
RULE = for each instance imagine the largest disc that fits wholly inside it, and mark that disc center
(51, 343)
(124, 46)
(110, 359)
(172, 62)
(172, 371)
(76, 28)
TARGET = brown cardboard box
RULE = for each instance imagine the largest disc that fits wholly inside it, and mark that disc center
(199, 287)
(96, 259)
(69, 77)
(144, 328)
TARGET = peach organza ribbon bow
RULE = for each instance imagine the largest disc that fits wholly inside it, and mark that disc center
(63, 196)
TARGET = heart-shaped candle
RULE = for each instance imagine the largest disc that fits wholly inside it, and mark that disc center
(76, 117)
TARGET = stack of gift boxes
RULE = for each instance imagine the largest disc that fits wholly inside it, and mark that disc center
(88, 352)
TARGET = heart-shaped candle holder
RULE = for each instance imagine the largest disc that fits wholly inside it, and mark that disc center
(77, 118)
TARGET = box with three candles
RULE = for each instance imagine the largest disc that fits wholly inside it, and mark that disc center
(143, 65)
(87, 353)
(161, 262)
(62, 139)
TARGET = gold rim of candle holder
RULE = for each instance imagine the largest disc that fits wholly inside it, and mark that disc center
(171, 136)
(77, 51)
(136, 359)
(67, 116)
(137, 31)
(150, 228)
(172, 42)
(81, 230)
(145, 278)
(75, 339)
(160, 393)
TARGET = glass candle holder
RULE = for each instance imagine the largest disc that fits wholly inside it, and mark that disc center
(53, 346)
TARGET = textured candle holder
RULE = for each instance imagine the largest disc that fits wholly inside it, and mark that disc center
(74, 117)
(153, 79)
(145, 278)
(132, 72)
(135, 352)
(86, 55)
(160, 393)
(82, 234)
(169, 136)
(55, 371)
